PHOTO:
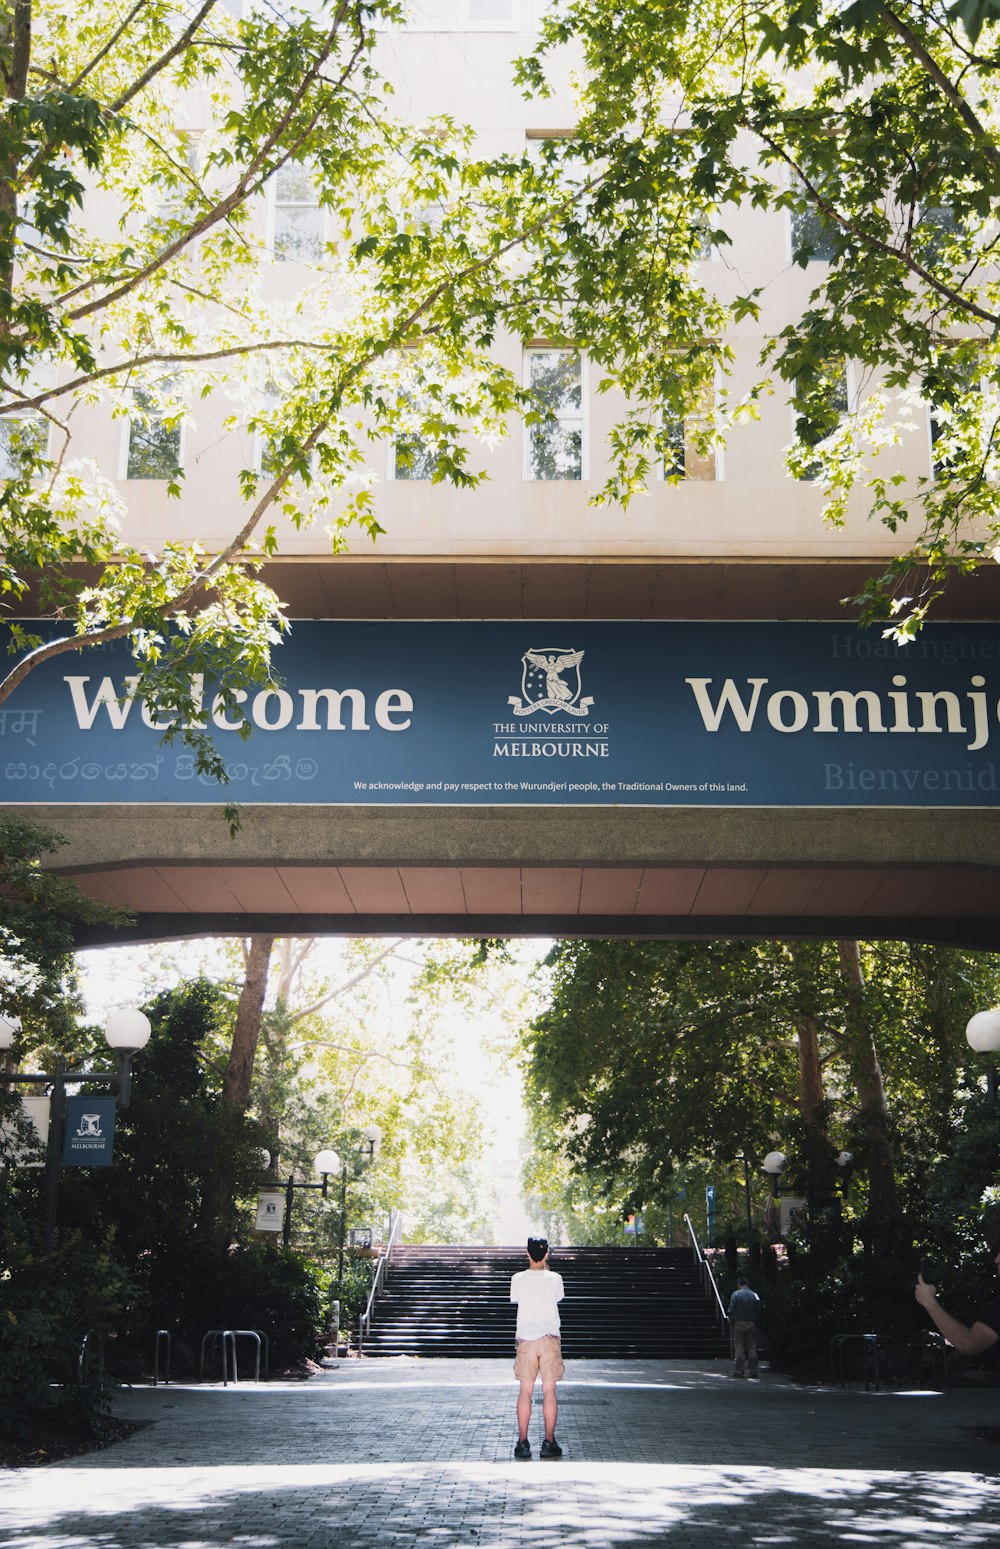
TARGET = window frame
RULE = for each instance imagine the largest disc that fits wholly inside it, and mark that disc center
(717, 476)
(273, 206)
(937, 466)
(515, 24)
(393, 475)
(22, 416)
(542, 347)
(850, 393)
(126, 446)
(791, 215)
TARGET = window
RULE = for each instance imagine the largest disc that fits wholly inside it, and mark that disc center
(952, 415)
(299, 220)
(23, 439)
(814, 238)
(176, 193)
(821, 406)
(153, 444)
(455, 15)
(544, 147)
(936, 230)
(684, 459)
(489, 13)
(704, 249)
(685, 164)
(555, 442)
(413, 457)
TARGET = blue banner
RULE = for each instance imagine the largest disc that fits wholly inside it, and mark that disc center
(89, 1135)
(528, 713)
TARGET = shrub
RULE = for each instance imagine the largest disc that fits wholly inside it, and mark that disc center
(48, 1303)
(257, 1286)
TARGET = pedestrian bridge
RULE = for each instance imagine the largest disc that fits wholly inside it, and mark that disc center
(612, 766)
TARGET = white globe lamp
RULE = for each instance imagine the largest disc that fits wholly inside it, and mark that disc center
(127, 1030)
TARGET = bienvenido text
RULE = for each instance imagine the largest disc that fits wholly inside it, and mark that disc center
(899, 709)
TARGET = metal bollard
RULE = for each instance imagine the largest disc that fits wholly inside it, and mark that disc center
(161, 1335)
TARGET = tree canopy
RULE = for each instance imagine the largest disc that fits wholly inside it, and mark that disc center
(653, 1056)
(875, 126)
(137, 156)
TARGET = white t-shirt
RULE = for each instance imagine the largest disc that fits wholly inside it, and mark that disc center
(536, 1292)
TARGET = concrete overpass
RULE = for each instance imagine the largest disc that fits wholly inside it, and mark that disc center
(930, 874)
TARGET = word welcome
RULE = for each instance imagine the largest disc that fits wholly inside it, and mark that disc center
(270, 709)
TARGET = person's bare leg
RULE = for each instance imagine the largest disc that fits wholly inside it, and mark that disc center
(550, 1409)
(524, 1407)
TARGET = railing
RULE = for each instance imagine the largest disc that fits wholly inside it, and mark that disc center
(707, 1276)
(378, 1282)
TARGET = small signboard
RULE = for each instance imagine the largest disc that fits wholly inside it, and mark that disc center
(359, 1237)
(89, 1136)
(17, 1149)
(793, 1213)
(270, 1210)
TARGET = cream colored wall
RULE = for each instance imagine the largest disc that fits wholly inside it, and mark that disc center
(755, 509)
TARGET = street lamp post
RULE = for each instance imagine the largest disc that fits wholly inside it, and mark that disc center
(326, 1162)
(126, 1033)
(366, 1150)
(983, 1035)
(746, 1198)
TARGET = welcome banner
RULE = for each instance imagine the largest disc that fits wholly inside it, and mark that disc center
(539, 713)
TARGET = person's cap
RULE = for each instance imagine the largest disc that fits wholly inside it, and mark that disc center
(538, 1247)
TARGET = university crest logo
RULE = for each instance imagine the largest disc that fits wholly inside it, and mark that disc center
(550, 682)
(90, 1124)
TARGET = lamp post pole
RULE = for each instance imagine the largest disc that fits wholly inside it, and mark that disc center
(366, 1150)
(326, 1162)
(983, 1035)
(746, 1198)
(53, 1157)
(126, 1033)
(343, 1226)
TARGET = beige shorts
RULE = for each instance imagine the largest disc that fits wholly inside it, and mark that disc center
(539, 1357)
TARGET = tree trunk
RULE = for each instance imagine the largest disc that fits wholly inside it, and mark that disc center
(866, 1074)
(246, 1033)
(811, 1096)
(214, 1220)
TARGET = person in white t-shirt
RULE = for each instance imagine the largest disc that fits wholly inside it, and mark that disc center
(537, 1292)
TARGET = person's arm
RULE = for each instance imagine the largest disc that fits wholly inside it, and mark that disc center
(967, 1341)
(513, 1288)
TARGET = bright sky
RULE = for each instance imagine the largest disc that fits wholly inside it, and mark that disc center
(482, 1038)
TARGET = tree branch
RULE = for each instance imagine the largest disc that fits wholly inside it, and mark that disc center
(348, 984)
(941, 81)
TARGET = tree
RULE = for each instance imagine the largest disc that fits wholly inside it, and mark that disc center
(653, 1054)
(363, 1032)
(876, 126)
(38, 916)
(135, 156)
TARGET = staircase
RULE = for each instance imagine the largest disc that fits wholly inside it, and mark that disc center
(645, 1303)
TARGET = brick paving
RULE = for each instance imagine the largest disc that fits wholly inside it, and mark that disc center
(399, 1452)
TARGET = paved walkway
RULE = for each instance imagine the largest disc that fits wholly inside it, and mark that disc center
(405, 1452)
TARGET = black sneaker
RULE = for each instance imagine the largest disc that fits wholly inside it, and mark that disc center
(522, 1448)
(550, 1449)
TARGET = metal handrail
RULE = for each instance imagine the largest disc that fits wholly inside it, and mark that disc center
(706, 1269)
(381, 1269)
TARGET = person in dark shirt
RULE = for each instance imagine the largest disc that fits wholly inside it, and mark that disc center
(983, 1334)
(743, 1308)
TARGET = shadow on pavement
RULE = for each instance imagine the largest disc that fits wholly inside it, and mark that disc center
(467, 1505)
